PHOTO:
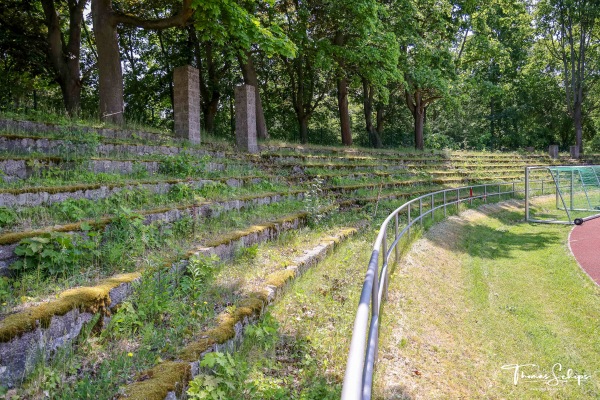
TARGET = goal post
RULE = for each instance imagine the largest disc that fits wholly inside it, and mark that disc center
(576, 192)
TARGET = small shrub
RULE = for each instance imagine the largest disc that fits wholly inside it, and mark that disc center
(182, 165)
(53, 254)
(224, 380)
(199, 271)
(7, 217)
(314, 201)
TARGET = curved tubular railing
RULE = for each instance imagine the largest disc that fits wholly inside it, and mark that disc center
(358, 379)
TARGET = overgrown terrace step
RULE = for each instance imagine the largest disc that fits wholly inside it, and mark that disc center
(38, 195)
(107, 134)
(14, 125)
(314, 149)
(499, 172)
(21, 144)
(349, 158)
(169, 379)
(415, 186)
(38, 331)
(10, 240)
(17, 167)
(334, 166)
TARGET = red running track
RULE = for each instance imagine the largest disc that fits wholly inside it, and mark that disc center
(585, 245)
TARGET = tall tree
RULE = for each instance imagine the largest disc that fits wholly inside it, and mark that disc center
(53, 30)
(64, 50)
(570, 29)
(106, 19)
(309, 73)
(428, 59)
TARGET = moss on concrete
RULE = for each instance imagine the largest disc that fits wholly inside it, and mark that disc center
(280, 278)
(156, 383)
(89, 299)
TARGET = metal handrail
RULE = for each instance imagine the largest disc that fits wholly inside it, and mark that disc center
(358, 379)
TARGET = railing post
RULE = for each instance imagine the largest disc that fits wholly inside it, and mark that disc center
(432, 208)
(526, 194)
(513, 190)
(421, 211)
(485, 193)
(384, 279)
(457, 200)
(445, 212)
(499, 195)
(409, 222)
(396, 249)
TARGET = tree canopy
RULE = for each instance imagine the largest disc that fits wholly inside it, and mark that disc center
(501, 74)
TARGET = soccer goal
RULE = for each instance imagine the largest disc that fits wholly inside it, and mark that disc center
(574, 191)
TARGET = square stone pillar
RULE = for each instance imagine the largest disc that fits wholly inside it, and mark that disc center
(574, 152)
(553, 151)
(186, 103)
(245, 118)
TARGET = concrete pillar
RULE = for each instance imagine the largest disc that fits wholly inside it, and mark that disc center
(245, 118)
(574, 152)
(186, 99)
(553, 151)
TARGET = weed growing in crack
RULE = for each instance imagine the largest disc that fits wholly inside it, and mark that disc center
(315, 201)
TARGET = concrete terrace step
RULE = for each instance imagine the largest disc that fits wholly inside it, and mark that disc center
(171, 377)
(168, 214)
(15, 168)
(58, 322)
(39, 195)
(40, 145)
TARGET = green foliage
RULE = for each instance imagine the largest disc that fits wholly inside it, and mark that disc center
(244, 25)
(223, 382)
(127, 237)
(199, 271)
(264, 334)
(7, 216)
(183, 165)
(55, 253)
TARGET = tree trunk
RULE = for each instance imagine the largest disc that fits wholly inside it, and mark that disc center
(578, 122)
(251, 78)
(368, 110)
(419, 142)
(109, 63)
(64, 57)
(380, 114)
(210, 113)
(303, 123)
(492, 125)
(416, 105)
(342, 86)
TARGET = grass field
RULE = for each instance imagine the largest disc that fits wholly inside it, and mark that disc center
(486, 306)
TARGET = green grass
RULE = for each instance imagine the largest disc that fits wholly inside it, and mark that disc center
(482, 293)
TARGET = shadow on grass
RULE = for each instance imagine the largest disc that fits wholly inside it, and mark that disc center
(482, 241)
